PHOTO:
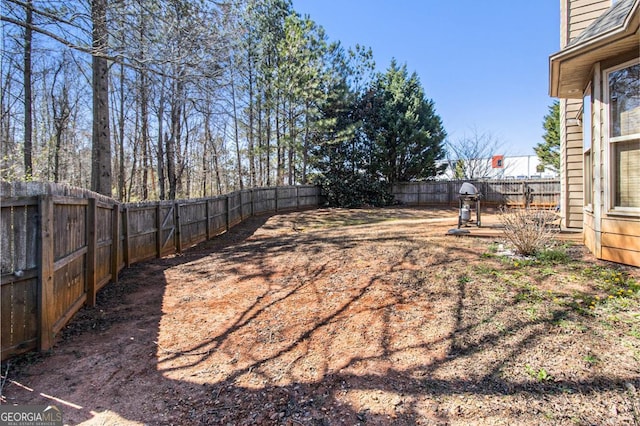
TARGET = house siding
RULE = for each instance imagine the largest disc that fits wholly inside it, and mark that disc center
(575, 16)
(620, 239)
(589, 232)
(610, 234)
(615, 237)
(584, 12)
(572, 159)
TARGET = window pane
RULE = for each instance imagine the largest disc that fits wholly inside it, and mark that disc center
(627, 158)
(588, 178)
(586, 120)
(624, 101)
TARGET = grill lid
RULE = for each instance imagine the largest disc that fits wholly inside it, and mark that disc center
(468, 189)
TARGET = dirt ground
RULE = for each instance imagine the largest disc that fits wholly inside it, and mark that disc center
(331, 317)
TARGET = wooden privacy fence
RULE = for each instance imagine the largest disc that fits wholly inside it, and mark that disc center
(543, 193)
(61, 245)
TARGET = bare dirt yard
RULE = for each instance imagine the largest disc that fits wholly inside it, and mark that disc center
(354, 317)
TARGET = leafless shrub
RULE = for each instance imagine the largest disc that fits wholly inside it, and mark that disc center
(529, 230)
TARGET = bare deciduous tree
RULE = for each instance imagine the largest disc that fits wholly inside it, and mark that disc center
(469, 157)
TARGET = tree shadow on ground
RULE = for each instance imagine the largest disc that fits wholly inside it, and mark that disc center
(338, 357)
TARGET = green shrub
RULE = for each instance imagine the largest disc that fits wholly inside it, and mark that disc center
(355, 190)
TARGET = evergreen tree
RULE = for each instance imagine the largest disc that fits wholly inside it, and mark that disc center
(549, 151)
(405, 134)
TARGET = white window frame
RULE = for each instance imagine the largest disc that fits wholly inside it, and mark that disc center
(587, 149)
(612, 209)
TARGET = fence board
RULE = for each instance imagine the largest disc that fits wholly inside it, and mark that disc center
(193, 223)
(46, 258)
(104, 244)
(218, 216)
(6, 239)
(69, 285)
(286, 199)
(69, 224)
(19, 330)
(233, 210)
(264, 200)
(246, 202)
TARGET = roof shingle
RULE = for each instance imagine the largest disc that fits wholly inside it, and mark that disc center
(613, 18)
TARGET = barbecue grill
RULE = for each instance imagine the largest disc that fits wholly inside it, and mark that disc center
(469, 200)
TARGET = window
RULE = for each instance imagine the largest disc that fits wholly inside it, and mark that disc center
(623, 98)
(586, 143)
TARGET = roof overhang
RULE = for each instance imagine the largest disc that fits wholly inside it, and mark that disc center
(570, 69)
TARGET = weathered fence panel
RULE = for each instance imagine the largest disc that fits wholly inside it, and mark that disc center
(264, 200)
(167, 230)
(140, 232)
(217, 216)
(104, 244)
(286, 198)
(19, 275)
(308, 196)
(246, 201)
(514, 193)
(234, 209)
(70, 250)
(60, 245)
(193, 222)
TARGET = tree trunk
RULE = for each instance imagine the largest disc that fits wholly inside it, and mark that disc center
(292, 146)
(144, 106)
(28, 113)
(279, 157)
(144, 134)
(134, 166)
(235, 129)
(101, 140)
(121, 180)
(305, 149)
(60, 110)
(160, 151)
(176, 134)
(260, 147)
(250, 141)
(267, 160)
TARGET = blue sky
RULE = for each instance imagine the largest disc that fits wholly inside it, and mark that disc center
(484, 63)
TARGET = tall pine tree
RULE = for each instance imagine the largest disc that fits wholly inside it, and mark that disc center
(405, 133)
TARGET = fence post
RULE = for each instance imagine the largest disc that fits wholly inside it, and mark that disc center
(46, 271)
(125, 227)
(253, 206)
(178, 233)
(92, 242)
(228, 205)
(207, 211)
(115, 242)
(159, 223)
(276, 196)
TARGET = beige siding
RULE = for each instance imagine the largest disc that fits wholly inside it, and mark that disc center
(573, 159)
(621, 240)
(581, 13)
(575, 16)
(610, 237)
(589, 233)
